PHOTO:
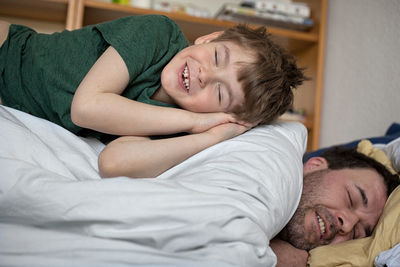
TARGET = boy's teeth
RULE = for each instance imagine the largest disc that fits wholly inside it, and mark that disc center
(186, 77)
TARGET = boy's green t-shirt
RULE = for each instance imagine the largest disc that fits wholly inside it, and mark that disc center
(40, 72)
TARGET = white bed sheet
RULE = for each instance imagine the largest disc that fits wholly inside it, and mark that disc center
(388, 258)
(219, 208)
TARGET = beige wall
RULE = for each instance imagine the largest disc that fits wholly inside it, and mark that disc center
(362, 70)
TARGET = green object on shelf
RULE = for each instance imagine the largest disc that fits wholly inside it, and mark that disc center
(123, 2)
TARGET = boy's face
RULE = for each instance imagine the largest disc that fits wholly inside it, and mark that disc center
(203, 77)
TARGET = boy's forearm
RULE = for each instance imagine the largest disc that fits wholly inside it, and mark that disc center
(114, 114)
(149, 158)
(141, 157)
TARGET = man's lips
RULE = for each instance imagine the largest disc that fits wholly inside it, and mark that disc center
(320, 225)
(328, 229)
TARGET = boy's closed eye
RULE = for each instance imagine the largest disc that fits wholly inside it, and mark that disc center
(219, 93)
(219, 84)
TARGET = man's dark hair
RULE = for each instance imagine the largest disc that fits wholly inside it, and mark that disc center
(342, 158)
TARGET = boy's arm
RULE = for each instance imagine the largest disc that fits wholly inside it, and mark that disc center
(288, 255)
(141, 157)
(98, 105)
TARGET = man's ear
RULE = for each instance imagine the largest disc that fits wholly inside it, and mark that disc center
(315, 164)
(207, 38)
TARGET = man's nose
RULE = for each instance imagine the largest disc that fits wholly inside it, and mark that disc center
(346, 222)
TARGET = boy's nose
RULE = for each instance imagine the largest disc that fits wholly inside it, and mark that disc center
(204, 76)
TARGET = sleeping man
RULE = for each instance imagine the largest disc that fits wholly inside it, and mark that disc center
(344, 193)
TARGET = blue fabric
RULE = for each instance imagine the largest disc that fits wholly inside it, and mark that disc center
(392, 133)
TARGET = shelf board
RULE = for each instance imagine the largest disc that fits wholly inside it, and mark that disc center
(47, 10)
(192, 26)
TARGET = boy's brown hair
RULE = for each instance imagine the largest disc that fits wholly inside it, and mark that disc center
(267, 82)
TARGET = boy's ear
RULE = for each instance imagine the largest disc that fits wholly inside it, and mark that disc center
(315, 164)
(207, 38)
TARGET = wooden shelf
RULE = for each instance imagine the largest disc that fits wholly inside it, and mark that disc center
(59, 11)
(96, 12)
(48, 10)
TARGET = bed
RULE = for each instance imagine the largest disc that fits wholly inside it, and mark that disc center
(218, 208)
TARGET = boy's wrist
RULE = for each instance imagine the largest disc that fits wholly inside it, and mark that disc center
(186, 120)
(195, 122)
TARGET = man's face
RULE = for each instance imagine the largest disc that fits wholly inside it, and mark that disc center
(204, 78)
(336, 206)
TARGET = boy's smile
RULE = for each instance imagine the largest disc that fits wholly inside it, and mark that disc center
(185, 81)
(204, 77)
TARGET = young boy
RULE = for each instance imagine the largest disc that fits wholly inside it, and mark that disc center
(135, 77)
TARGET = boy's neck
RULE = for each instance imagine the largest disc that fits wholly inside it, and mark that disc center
(161, 96)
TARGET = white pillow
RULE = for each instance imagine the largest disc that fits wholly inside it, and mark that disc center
(392, 150)
(264, 163)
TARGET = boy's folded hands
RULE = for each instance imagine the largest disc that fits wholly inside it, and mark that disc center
(222, 126)
(227, 130)
(205, 121)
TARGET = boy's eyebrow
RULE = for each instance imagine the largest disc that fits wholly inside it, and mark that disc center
(226, 62)
(227, 54)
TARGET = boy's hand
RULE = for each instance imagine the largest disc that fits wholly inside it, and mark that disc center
(227, 131)
(205, 121)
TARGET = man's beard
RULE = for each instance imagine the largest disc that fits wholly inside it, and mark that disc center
(294, 232)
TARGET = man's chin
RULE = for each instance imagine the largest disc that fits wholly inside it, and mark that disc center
(302, 245)
(294, 234)
(299, 242)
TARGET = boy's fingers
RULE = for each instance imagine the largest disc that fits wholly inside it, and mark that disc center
(226, 117)
(246, 124)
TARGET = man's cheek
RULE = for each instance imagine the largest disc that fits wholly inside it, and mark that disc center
(311, 232)
(340, 239)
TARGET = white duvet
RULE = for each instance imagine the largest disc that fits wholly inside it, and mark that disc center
(219, 208)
